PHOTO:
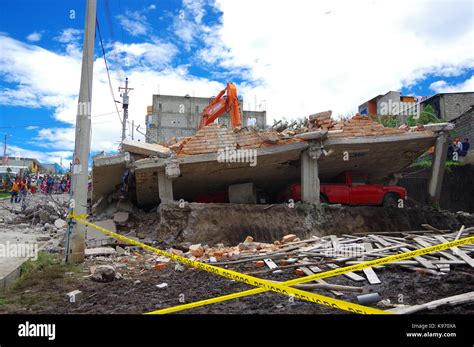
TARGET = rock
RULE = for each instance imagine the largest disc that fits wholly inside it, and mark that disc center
(44, 216)
(248, 239)
(196, 250)
(121, 217)
(184, 246)
(120, 250)
(288, 238)
(59, 223)
(137, 282)
(212, 259)
(247, 246)
(179, 268)
(99, 251)
(162, 285)
(125, 206)
(104, 273)
(43, 238)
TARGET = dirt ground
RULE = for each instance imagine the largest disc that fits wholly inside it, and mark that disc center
(43, 289)
(44, 292)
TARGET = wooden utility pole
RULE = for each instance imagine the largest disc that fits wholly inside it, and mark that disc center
(75, 241)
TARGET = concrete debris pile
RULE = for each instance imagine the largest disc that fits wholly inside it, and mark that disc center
(51, 211)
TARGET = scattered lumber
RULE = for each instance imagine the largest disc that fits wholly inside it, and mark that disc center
(452, 300)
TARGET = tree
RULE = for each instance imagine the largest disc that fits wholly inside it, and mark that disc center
(428, 115)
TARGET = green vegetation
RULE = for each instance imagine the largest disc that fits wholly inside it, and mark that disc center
(3, 301)
(428, 115)
(426, 163)
(46, 267)
(4, 195)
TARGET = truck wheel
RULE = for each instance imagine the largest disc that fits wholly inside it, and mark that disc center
(390, 200)
(323, 199)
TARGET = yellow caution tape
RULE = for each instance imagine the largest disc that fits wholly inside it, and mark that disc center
(250, 280)
(326, 274)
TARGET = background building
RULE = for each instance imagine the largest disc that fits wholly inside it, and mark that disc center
(375, 105)
(17, 163)
(179, 116)
(54, 168)
(449, 106)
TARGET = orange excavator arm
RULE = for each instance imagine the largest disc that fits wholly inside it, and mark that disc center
(222, 104)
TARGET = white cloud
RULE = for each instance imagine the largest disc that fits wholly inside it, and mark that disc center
(48, 79)
(69, 35)
(134, 22)
(34, 36)
(152, 7)
(157, 53)
(314, 56)
(442, 86)
(188, 23)
(42, 157)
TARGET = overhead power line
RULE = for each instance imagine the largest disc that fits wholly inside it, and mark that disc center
(108, 72)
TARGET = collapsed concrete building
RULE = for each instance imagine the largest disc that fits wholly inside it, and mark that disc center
(193, 168)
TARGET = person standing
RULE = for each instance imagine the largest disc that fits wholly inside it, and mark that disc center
(14, 192)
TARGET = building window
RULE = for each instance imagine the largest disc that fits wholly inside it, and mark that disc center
(197, 109)
(160, 106)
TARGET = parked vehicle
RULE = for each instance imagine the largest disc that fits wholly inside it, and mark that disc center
(352, 189)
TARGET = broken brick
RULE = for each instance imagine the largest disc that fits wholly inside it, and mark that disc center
(196, 250)
(288, 238)
(299, 272)
(260, 263)
(248, 239)
(160, 266)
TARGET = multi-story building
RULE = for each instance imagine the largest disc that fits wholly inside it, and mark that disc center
(179, 116)
(391, 103)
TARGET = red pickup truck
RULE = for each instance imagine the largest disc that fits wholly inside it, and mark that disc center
(352, 189)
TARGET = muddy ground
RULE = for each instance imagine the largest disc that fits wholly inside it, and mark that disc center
(44, 291)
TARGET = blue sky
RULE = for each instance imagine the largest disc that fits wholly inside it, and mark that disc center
(291, 58)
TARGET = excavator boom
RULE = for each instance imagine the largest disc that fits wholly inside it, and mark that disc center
(222, 104)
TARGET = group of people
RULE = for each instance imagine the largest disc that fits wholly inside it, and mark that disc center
(48, 184)
(459, 147)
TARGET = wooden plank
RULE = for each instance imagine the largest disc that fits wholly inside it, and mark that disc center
(429, 227)
(460, 253)
(353, 276)
(424, 243)
(421, 260)
(368, 246)
(308, 272)
(270, 263)
(452, 300)
(380, 240)
(334, 242)
(371, 276)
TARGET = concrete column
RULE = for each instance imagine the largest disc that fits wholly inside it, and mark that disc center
(437, 168)
(165, 187)
(309, 178)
